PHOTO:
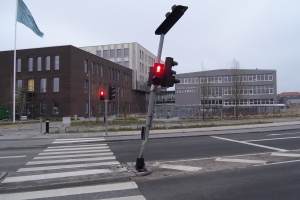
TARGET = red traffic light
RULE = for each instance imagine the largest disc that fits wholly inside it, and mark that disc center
(102, 94)
(158, 68)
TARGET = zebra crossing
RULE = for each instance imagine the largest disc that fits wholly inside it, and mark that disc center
(72, 160)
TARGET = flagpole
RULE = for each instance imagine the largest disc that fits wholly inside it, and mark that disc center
(14, 79)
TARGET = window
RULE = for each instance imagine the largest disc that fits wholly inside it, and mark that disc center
(42, 107)
(19, 84)
(38, 63)
(109, 72)
(19, 65)
(93, 67)
(99, 108)
(86, 83)
(101, 70)
(126, 52)
(118, 75)
(126, 64)
(56, 62)
(85, 66)
(105, 54)
(43, 85)
(98, 53)
(250, 78)
(114, 107)
(47, 63)
(120, 63)
(31, 85)
(244, 79)
(93, 87)
(86, 107)
(112, 53)
(270, 77)
(55, 107)
(119, 53)
(55, 85)
(30, 64)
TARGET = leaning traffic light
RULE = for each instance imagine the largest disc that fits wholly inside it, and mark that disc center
(158, 72)
(169, 75)
(102, 94)
(111, 92)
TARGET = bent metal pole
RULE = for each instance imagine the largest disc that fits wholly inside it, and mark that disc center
(151, 101)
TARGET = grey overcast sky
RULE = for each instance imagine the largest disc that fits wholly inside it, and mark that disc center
(263, 34)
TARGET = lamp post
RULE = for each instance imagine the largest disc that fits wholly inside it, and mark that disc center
(89, 75)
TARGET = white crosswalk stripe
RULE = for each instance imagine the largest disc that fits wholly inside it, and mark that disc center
(74, 191)
(66, 162)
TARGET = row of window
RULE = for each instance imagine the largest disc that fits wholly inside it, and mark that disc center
(38, 64)
(150, 59)
(225, 79)
(107, 54)
(249, 101)
(43, 85)
(126, 63)
(255, 89)
(97, 69)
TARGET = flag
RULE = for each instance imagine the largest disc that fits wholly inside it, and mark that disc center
(24, 16)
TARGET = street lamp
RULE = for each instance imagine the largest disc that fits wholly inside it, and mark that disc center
(89, 95)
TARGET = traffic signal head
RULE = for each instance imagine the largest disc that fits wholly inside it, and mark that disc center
(102, 94)
(158, 72)
(111, 92)
(169, 74)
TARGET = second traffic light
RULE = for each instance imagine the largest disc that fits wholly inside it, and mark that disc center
(111, 92)
(102, 94)
(169, 75)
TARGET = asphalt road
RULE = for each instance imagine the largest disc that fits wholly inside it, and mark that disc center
(231, 166)
(270, 182)
(205, 146)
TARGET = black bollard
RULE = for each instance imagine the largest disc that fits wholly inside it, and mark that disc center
(47, 125)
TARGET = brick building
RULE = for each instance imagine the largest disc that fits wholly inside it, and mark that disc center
(54, 82)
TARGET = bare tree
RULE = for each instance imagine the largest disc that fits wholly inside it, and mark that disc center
(96, 86)
(203, 90)
(237, 85)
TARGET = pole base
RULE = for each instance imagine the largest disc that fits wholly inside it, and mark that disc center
(140, 164)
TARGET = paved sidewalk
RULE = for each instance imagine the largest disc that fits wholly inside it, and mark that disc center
(277, 125)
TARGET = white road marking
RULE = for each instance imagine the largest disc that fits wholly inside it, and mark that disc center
(180, 167)
(68, 149)
(69, 191)
(83, 145)
(286, 154)
(67, 166)
(285, 138)
(55, 175)
(72, 152)
(78, 141)
(241, 160)
(284, 162)
(284, 133)
(74, 156)
(13, 156)
(248, 143)
(70, 160)
(139, 197)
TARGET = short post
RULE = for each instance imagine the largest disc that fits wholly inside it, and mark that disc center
(106, 116)
(41, 126)
(47, 125)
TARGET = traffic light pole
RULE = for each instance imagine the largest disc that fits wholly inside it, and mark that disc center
(140, 164)
(106, 116)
